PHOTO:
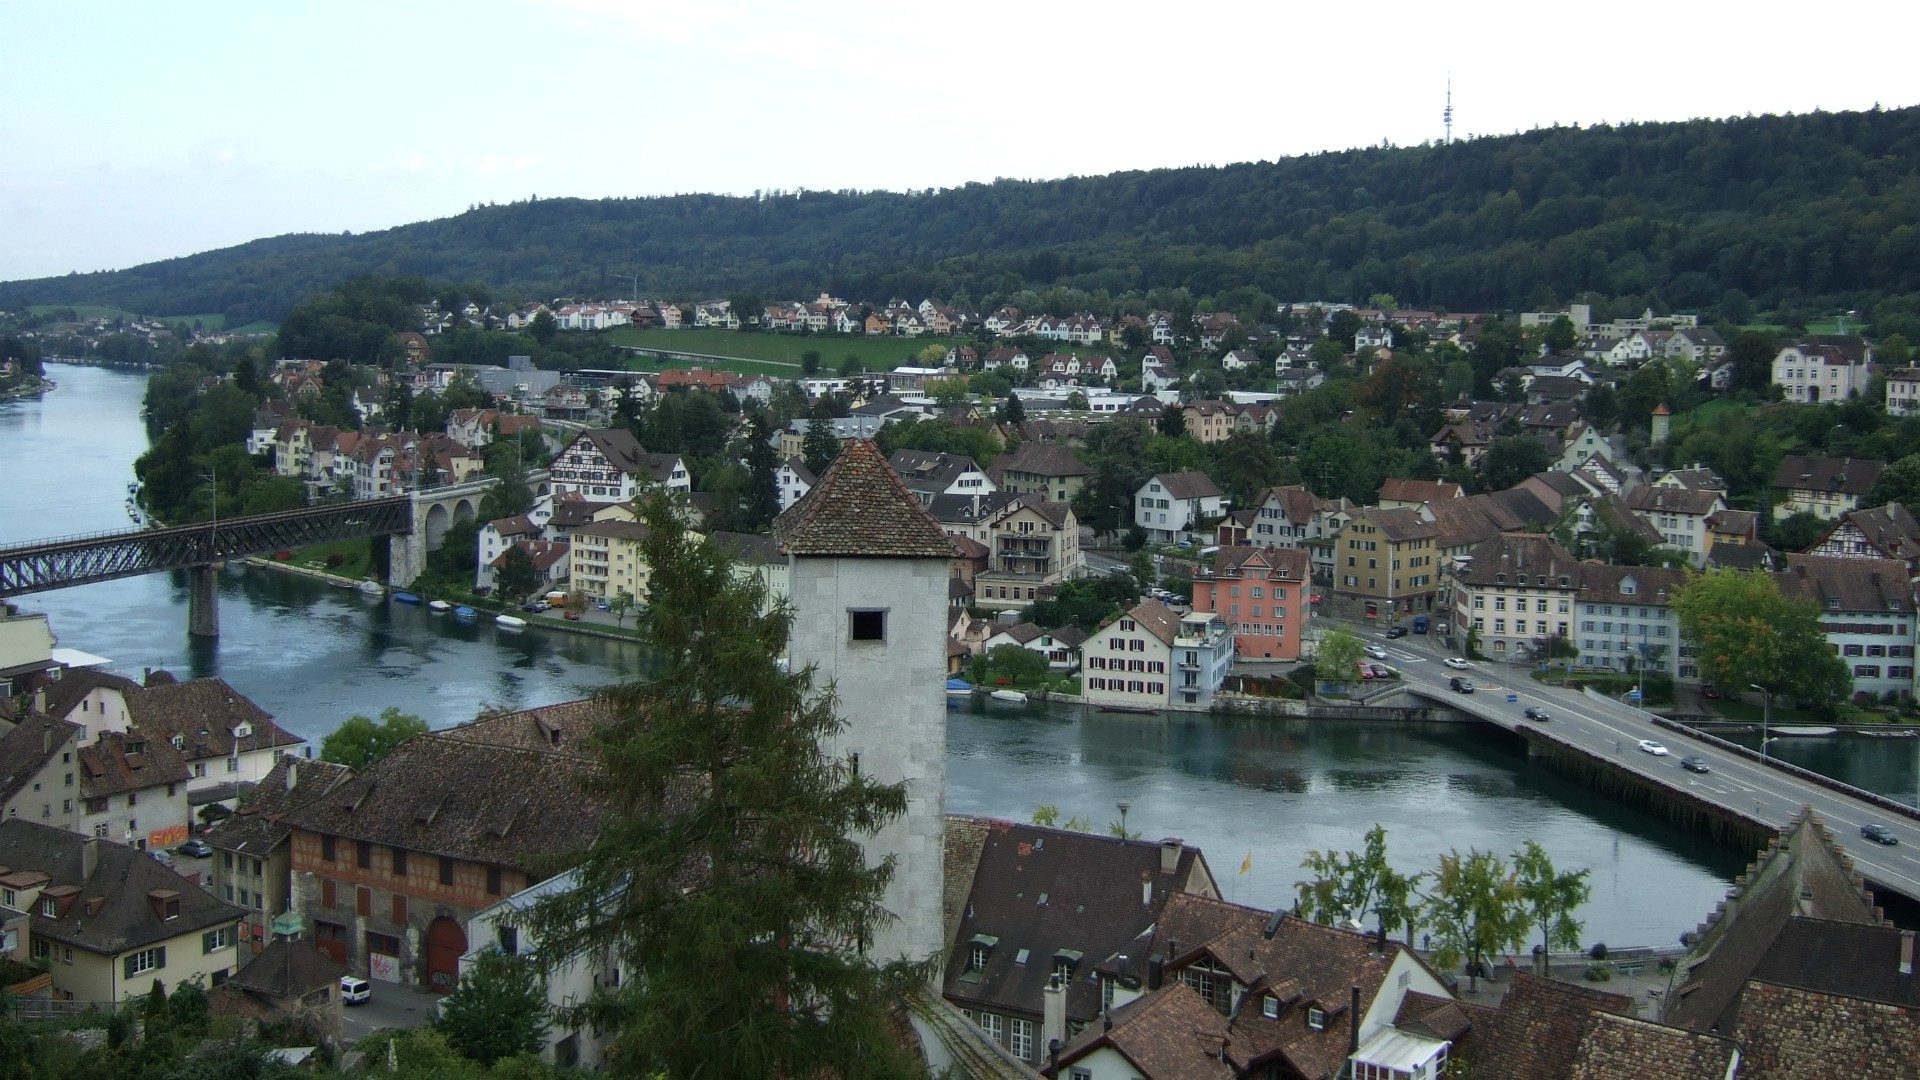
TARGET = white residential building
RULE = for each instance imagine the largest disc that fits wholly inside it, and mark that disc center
(1128, 663)
(1829, 368)
(568, 982)
(1171, 505)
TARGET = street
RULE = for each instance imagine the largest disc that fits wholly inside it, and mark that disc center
(1605, 727)
(392, 1006)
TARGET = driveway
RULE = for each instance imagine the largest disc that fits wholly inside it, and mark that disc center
(392, 1006)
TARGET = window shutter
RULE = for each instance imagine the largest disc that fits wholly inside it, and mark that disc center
(206, 942)
(126, 966)
(160, 958)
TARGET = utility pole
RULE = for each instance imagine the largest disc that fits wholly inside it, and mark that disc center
(635, 279)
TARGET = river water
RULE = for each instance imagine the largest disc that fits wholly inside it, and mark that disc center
(1256, 794)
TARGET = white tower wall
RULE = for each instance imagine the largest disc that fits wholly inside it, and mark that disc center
(893, 697)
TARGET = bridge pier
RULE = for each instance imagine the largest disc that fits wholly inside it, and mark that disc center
(405, 558)
(203, 601)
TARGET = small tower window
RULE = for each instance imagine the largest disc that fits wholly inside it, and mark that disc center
(867, 625)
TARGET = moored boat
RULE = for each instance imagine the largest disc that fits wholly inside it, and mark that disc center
(959, 688)
(406, 598)
(371, 587)
(510, 622)
(464, 612)
(1009, 697)
(439, 605)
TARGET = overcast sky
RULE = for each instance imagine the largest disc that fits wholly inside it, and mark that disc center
(137, 130)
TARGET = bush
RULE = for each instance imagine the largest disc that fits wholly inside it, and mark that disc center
(1599, 973)
(1599, 950)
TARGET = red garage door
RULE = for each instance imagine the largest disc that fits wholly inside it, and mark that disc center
(446, 942)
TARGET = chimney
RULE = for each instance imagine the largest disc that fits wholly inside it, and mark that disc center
(46, 738)
(1146, 892)
(1169, 854)
(1906, 952)
(1053, 1016)
(40, 699)
(1353, 1024)
(1380, 938)
(89, 857)
(1156, 967)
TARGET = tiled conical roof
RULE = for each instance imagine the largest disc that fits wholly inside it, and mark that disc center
(861, 509)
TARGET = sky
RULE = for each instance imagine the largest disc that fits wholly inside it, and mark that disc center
(134, 131)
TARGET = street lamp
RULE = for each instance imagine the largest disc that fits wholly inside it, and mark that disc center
(1766, 714)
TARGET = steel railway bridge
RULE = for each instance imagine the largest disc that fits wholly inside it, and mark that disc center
(44, 565)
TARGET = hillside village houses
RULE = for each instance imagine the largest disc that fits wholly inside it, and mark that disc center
(1173, 507)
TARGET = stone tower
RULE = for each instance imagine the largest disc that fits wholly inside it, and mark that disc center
(868, 568)
(1662, 422)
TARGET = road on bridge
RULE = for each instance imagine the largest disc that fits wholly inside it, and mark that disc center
(1613, 729)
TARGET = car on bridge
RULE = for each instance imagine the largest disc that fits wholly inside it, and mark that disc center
(1694, 763)
(1539, 715)
(1459, 685)
(1657, 749)
(1456, 663)
(1879, 834)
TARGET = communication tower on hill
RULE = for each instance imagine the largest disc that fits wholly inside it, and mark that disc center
(1446, 114)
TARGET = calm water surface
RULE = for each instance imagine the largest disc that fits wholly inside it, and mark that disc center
(313, 655)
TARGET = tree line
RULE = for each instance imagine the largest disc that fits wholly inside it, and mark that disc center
(1784, 215)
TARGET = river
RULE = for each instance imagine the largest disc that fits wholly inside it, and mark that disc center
(1252, 793)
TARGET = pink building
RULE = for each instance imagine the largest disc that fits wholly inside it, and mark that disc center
(1262, 593)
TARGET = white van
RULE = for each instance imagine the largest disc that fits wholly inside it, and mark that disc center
(355, 991)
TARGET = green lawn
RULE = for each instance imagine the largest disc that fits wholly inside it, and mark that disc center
(355, 558)
(99, 311)
(779, 354)
(1818, 326)
(1750, 712)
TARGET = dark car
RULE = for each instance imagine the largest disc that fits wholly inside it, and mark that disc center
(1709, 693)
(1459, 686)
(1538, 714)
(1692, 763)
(1879, 834)
(196, 847)
(1396, 631)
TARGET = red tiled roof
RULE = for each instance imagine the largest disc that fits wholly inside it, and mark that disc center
(862, 509)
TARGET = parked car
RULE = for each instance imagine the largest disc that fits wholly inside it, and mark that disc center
(572, 616)
(1693, 763)
(1879, 834)
(1539, 715)
(1380, 671)
(1455, 663)
(1376, 652)
(1396, 631)
(537, 605)
(355, 991)
(1459, 685)
(1655, 748)
(1709, 693)
(196, 847)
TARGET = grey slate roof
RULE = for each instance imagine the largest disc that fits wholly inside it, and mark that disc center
(109, 910)
(27, 747)
(256, 827)
(1849, 476)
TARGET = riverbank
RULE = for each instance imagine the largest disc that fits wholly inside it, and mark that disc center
(32, 388)
(631, 637)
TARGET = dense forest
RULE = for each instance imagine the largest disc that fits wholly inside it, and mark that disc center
(1782, 216)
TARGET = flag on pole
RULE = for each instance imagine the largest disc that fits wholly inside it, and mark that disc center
(1246, 864)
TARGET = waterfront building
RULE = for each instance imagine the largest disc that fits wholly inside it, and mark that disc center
(1517, 591)
(1046, 910)
(1263, 594)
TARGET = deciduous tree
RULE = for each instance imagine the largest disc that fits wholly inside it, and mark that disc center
(1337, 660)
(1551, 897)
(360, 741)
(498, 1011)
(1476, 911)
(1746, 633)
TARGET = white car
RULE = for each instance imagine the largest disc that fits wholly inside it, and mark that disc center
(1376, 652)
(355, 991)
(1654, 748)
(1455, 663)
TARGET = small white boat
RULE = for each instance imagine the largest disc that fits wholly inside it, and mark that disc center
(371, 587)
(438, 605)
(1009, 697)
(510, 622)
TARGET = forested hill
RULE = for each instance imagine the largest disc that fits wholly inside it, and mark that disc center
(1800, 214)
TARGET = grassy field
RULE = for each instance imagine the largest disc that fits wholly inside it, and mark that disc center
(779, 354)
(355, 558)
(1819, 326)
(206, 322)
